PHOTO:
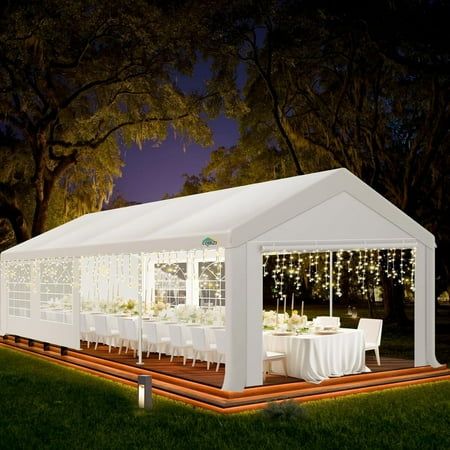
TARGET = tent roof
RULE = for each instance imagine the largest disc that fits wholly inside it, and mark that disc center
(229, 216)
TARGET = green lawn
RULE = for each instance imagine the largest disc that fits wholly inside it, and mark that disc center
(43, 405)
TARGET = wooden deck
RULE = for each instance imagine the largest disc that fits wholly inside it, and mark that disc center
(210, 377)
(199, 387)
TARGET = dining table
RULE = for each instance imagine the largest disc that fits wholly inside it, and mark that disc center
(315, 356)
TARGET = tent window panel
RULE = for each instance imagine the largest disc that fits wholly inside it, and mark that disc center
(170, 283)
(19, 289)
(211, 284)
(56, 292)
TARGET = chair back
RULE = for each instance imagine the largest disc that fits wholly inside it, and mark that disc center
(176, 335)
(220, 341)
(327, 321)
(121, 327)
(67, 316)
(84, 328)
(131, 329)
(199, 339)
(372, 330)
(150, 329)
(101, 325)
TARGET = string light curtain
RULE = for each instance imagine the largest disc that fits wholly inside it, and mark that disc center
(363, 267)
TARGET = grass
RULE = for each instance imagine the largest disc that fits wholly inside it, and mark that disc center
(48, 406)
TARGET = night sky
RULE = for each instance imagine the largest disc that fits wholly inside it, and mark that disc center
(154, 171)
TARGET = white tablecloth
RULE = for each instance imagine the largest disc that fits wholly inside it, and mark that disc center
(316, 357)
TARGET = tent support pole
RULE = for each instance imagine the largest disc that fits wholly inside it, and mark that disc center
(142, 264)
(331, 283)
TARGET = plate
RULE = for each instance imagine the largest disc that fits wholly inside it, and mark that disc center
(282, 333)
(326, 332)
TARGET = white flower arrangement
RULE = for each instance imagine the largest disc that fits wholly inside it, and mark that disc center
(158, 307)
(269, 319)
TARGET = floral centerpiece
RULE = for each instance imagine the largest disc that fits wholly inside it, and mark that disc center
(296, 321)
(159, 307)
(269, 320)
(128, 306)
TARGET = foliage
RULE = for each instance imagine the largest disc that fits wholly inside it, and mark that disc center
(285, 411)
(78, 80)
(80, 411)
(337, 85)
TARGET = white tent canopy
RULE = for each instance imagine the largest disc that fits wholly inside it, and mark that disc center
(325, 210)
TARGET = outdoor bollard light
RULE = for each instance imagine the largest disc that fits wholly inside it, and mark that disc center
(145, 391)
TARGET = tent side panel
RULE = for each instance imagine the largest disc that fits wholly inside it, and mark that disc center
(420, 309)
(47, 312)
(3, 303)
(430, 305)
(235, 318)
(254, 315)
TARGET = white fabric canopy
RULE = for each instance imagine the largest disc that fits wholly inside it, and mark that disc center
(229, 216)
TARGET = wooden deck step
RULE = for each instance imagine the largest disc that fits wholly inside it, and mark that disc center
(214, 398)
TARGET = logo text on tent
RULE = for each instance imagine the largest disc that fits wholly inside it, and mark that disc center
(209, 242)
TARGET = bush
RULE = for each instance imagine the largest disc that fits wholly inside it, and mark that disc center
(284, 411)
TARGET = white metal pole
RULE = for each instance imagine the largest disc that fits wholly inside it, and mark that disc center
(142, 261)
(331, 283)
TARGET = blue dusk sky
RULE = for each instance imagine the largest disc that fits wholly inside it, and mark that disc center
(154, 171)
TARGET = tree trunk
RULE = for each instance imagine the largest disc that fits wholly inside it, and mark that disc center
(371, 301)
(15, 217)
(393, 299)
(40, 215)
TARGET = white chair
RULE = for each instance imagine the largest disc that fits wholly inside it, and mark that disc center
(327, 321)
(102, 331)
(87, 330)
(220, 346)
(131, 334)
(154, 338)
(201, 346)
(372, 335)
(122, 338)
(179, 345)
(269, 358)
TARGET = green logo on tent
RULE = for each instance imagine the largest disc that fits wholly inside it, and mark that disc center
(208, 242)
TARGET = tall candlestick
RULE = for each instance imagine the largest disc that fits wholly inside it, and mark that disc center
(302, 308)
(284, 303)
(292, 303)
(276, 319)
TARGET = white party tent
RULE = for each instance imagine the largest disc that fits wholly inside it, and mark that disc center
(327, 210)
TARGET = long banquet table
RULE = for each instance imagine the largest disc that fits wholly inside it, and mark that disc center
(316, 357)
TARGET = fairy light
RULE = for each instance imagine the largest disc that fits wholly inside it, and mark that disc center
(283, 262)
(298, 271)
(326, 282)
(402, 271)
(265, 261)
(358, 265)
(372, 261)
(338, 273)
(349, 262)
(412, 263)
(378, 269)
(393, 258)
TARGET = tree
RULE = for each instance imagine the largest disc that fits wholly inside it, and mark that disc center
(78, 80)
(230, 167)
(333, 85)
